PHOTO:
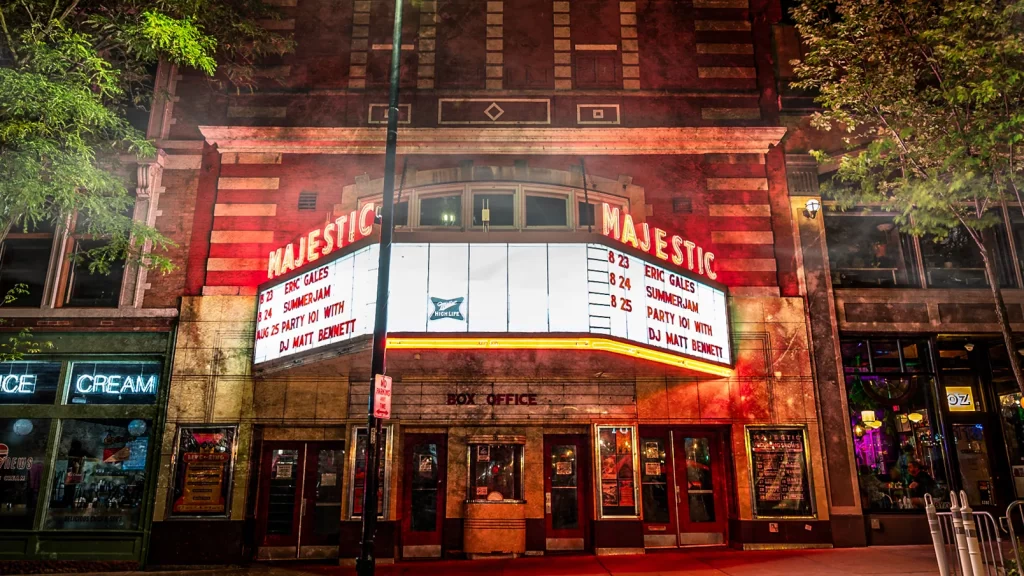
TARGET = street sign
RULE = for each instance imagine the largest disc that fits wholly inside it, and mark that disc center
(382, 397)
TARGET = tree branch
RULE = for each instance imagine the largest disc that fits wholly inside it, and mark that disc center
(7, 35)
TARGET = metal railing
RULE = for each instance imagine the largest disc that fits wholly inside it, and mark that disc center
(1015, 511)
(968, 543)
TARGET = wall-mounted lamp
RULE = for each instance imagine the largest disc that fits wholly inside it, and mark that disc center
(812, 207)
(969, 347)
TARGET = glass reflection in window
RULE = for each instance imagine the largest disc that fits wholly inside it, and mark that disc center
(955, 261)
(99, 477)
(21, 469)
(868, 252)
(495, 472)
(501, 209)
(546, 211)
(897, 446)
(441, 211)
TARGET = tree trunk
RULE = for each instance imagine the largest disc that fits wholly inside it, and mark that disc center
(997, 294)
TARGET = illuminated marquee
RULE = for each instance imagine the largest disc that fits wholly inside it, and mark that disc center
(335, 235)
(657, 242)
(583, 296)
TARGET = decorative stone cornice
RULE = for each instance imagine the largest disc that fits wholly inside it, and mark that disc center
(519, 141)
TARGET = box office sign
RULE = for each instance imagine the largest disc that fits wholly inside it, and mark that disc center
(540, 290)
(114, 382)
(29, 382)
(202, 471)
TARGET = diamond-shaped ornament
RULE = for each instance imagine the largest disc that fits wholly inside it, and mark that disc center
(494, 111)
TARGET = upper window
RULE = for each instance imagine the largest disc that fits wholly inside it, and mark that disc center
(24, 260)
(955, 261)
(494, 209)
(441, 210)
(93, 289)
(547, 210)
(501, 205)
(868, 251)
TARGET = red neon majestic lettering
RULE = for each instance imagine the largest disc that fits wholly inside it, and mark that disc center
(657, 242)
(344, 230)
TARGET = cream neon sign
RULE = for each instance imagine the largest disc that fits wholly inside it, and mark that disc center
(115, 384)
(657, 242)
(335, 235)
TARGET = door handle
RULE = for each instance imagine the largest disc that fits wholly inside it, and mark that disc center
(302, 509)
(678, 499)
(547, 502)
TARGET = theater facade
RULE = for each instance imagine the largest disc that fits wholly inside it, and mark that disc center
(597, 332)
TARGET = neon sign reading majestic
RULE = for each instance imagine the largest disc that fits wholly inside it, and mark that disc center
(335, 235)
(657, 242)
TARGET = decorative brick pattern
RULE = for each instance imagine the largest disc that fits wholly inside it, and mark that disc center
(563, 46)
(427, 45)
(495, 50)
(360, 44)
(630, 46)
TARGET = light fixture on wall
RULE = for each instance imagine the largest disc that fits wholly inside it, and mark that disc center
(969, 347)
(812, 207)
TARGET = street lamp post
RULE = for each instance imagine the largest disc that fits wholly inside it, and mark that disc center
(366, 562)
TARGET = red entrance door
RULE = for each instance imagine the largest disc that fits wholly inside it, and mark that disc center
(299, 510)
(566, 478)
(683, 483)
(423, 498)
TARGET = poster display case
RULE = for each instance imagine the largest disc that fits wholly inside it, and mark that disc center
(203, 470)
(616, 465)
(780, 473)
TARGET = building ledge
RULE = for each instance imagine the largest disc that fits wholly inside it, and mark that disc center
(513, 140)
(89, 313)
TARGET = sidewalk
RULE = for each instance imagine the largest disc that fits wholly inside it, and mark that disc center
(887, 561)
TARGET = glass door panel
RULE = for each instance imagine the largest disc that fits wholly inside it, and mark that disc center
(321, 526)
(975, 470)
(565, 475)
(700, 489)
(423, 499)
(657, 490)
(565, 503)
(282, 475)
(700, 486)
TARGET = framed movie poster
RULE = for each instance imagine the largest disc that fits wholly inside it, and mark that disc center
(204, 460)
(616, 466)
(780, 474)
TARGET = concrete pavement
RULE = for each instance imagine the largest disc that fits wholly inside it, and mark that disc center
(875, 561)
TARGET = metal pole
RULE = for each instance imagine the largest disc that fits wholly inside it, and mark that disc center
(586, 197)
(366, 562)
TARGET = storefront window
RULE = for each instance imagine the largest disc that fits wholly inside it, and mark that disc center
(29, 382)
(114, 382)
(99, 477)
(495, 472)
(359, 473)
(616, 451)
(955, 262)
(1012, 416)
(897, 444)
(868, 251)
(22, 453)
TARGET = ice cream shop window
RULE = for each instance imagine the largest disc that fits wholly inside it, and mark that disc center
(495, 472)
(617, 464)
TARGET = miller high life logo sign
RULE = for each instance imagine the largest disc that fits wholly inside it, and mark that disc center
(657, 242)
(344, 230)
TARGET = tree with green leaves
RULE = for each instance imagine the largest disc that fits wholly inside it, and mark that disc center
(70, 71)
(929, 98)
